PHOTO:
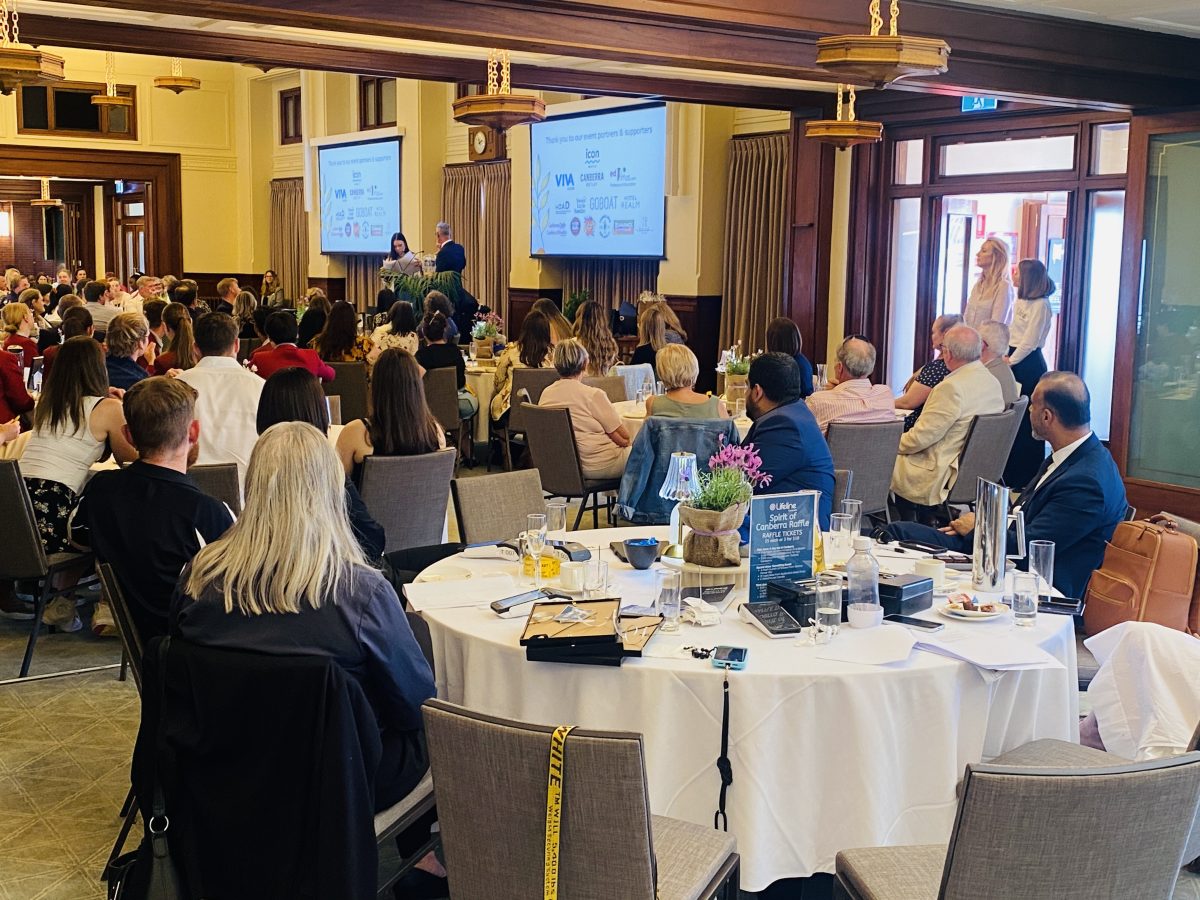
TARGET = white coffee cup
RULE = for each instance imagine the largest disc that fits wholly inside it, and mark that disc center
(931, 568)
(571, 576)
(864, 615)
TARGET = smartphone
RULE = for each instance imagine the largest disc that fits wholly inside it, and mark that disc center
(507, 605)
(733, 657)
(910, 622)
(1063, 606)
(924, 548)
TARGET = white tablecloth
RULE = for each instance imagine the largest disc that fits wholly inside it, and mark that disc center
(632, 417)
(826, 755)
(481, 383)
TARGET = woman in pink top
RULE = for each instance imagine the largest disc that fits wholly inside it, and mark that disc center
(602, 440)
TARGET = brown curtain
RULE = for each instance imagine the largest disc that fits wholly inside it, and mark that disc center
(610, 280)
(477, 203)
(289, 235)
(755, 232)
(362, 280)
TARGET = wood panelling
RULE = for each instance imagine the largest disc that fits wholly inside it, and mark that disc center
(810, 205)
(24, 248)
(207, 282)
(334, 288)
(520, 300)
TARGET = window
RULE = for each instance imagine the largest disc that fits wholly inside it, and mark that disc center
(1110, 148)
(910, 155)
(291, 130)
(67, 109)
(376, 102)
(1040, 154)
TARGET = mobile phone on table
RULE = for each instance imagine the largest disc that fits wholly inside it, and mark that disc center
(733, 657)
(1063, 606)
(509, 606)
(910, 622)
(924, 548)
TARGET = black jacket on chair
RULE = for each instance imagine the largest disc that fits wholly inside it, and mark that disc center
(268, 776)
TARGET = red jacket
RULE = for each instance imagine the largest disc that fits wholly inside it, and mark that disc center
(14, 398)
(267, 362)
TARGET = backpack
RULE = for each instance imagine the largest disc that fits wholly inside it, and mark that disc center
(1148, 575)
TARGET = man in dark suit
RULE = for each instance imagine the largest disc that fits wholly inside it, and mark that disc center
(451, 257)
(1076, 499)
(786, 434)
(284, 354)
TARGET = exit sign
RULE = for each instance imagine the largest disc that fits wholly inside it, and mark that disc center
(979, 104)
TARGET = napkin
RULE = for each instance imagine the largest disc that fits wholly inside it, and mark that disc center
(478, 591)
(996, 652)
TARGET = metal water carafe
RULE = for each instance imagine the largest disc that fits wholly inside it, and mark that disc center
(991, 537)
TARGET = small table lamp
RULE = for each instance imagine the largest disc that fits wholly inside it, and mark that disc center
(679, 485)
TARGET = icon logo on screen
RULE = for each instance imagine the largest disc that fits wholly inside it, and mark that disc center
(575, 226)
(605, 226)
(564, 180)
(591, 157)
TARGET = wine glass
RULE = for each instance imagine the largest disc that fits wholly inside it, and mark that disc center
(535, 543)
(472, 350)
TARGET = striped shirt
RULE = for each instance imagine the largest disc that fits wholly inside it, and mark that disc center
(856, 401)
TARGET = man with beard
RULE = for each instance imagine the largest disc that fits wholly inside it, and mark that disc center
(1076, 499)
(148, 520)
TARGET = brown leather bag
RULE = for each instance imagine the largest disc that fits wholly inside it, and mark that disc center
(1148, 575)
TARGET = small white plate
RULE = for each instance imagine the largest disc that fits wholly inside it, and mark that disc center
(447, 573)
(969, 615)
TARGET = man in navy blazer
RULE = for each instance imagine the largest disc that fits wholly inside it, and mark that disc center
(1076, 499)
(785, 432)
(451, 257)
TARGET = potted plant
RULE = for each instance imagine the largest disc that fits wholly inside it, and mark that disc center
(574, 301)
(716, 511)
(484, 333)
(737, 368)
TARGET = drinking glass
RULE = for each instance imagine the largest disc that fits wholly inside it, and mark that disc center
(595, 577)
(1041, 563)
(472, 350)
(535, 543)
(820, 376)
(659, 390)
(739, 408)
(829, 608)
(841, 538)
(853, 508)
(667, 599)
(1025, 598)
(556, 520)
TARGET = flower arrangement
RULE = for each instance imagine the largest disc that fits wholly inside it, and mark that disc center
(733, 474)
(737, 364)
(486, 326)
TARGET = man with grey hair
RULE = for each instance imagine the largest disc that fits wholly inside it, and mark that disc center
(451, 257)
(851, 397)
(995, 345)
(927, 464)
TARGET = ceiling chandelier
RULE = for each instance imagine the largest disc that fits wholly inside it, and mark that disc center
(45, 200)
(882, 58)
(110, 96)
(499, 108)
(22, 65)
(177, 81)
(845, 130)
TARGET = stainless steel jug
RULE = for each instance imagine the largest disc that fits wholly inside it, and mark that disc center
(991, 537)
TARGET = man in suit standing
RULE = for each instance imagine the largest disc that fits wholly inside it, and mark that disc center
(927, 465)
(451, 257)
(1076, 499)
(786, 434)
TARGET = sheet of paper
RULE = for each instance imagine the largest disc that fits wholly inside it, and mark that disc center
(992, 651)
(478, 591)
(870, 646)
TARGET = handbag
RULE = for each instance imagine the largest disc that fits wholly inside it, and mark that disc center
(149, 873)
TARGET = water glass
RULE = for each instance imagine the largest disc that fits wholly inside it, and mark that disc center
(472, 350)
(535, 543)
(821, 382)
(556, 520)
(841, 538)
(829, 608)
(739, 408)
(595, 577)
(1041, 563)
(667, 599)
(659, 389)
(853, 508)
(1025, 598)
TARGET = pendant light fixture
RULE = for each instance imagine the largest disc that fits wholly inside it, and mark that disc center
(45, 200)
(845, 130)
(499, 108)
(110, 96)
(177, 81)
(18, 64)
(882, 58)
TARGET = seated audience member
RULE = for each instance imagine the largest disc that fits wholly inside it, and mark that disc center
(315, 315)
(851, 397)
(271, 291)
(400, 331)
(339, 340)
(783, 336)
(400, 424)
(14, 398)
(657, 326)
(594, 331)
(532, 350)
(148, 288)
(227, 405)
(785, 434)
(128, 339)
(69, 301)
(187, 294)
(436, 301)
(16, 284)
(1076, 500)
(437, 354)
(260, 328)
(153, 311)
(560, 327)
(18, 326)
(930, 375)
(244, 306)
(161, 425)
(678, 370)
(76, 321)
(601, 439)
(182, 352)
(283, 352)
(227, 291)
(250, 590)
(73, 425)
(995, 345)
(927, 464)
(118, 297)
(97, 295)
(62, 286)
(295, 395)
(43, 333)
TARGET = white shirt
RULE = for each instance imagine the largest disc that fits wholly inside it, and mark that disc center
(227, 407)
(1031, 323)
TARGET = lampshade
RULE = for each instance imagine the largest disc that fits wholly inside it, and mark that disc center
(680, 483)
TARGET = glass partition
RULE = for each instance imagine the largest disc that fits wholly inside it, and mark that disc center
(906, 247)
(1102, 281)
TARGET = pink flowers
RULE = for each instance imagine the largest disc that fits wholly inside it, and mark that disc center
(743, 458)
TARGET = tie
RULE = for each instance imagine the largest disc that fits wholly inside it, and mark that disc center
(1032, 486)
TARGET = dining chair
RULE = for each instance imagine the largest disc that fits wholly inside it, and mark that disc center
(613, 386)
(25, 558)
(246, 346)
(527, 386)
(407, 496)
(441, 395)
(335, 409)
(492, 811)
(219, 481)
(555, 453)
(634, 377)
(869, 451)
(349, 383)
(985, 453)
(1114, 830)
(494, 507)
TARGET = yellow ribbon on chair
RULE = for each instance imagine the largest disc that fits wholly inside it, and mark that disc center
(554, 792)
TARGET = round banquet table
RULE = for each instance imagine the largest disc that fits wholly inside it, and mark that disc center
(826, 755)
(481, 381)
(633, 415)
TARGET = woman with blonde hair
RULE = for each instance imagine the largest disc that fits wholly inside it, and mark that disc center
(244, 306)
(657, 326)
(18, 326)
(992, 294)
(678, 370)
(601, 439)
(560, 328)
(593, 330)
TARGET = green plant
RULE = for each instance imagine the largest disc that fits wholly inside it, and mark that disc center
(737, 365)
(413, 288)
(574, 301)
(487, 326)
(721, 489)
